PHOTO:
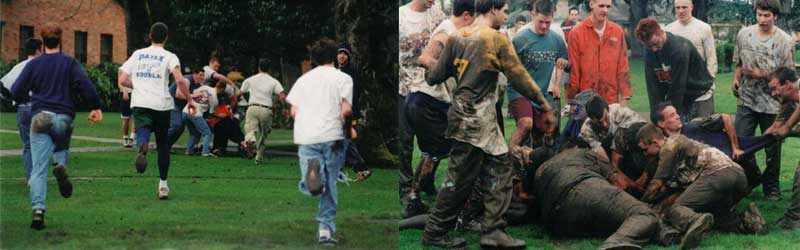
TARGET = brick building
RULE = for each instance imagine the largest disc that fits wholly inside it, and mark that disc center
(93, 30)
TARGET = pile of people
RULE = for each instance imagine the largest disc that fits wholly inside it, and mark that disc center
(610, 171)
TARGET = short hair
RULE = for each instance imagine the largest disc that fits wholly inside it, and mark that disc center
(657, 116)
(521, 18)
(263, 64)
(158, 32)
(573, 8)
(51, 35)
(32, 45)
(459, 6)
(784, 74)
(595, 107)
(647, 28)
(324, 51)
(773, 6)
(484, 6)
(649, 132)
(198, 70)
(544, 7)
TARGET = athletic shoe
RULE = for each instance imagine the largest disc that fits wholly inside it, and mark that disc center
(163, 193)
(128, 142)
(37, 222)
(210, 155)
(141, 159)
(313, 179)
(325, 238)
(698, 228)
(64, 185)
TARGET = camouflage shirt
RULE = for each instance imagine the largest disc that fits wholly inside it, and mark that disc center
(754, 53)
(475, 56)
(618, 117)
(415, 30)
(683, 160)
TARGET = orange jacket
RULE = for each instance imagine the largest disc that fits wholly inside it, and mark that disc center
(598, 65)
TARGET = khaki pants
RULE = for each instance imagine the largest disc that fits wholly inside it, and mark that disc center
(257, 126)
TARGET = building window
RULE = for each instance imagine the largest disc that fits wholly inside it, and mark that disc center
(106, 48)
(25, 33)
(80, 46)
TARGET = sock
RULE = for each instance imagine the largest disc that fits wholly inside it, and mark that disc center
(162, 183)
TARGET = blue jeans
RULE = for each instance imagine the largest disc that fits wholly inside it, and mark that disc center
(24, 125)
(201, 126)
(53, 141)
(177, 121)
(331, 158)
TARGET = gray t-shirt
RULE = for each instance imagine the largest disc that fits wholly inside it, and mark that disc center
(765, 54)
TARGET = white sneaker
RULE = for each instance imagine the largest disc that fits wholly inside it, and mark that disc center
(163, 192)
(127, 142)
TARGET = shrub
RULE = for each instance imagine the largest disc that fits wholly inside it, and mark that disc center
(5, 67)
(725, 56)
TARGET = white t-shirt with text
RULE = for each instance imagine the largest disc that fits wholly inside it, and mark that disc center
(149, 71)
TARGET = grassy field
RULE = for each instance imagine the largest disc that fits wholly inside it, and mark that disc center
(776, 239)
(215, 203)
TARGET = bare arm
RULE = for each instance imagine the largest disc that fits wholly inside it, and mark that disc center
(282, 97)
(224, 79)
(123, 80)
(731, 131)
(183, 88)
(432, 52)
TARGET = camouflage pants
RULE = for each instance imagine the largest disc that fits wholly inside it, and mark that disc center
(467, 162)
(596, 208)
(716, 193)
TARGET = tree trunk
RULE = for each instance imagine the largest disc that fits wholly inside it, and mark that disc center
(700, 9)
(363, 24)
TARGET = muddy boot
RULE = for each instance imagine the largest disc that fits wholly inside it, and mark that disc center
(752, 221)
(788, 223)
(64, 185)
(499, 239)
(697, 229)
(416, 222)
(141, 159)
(667, 235)
(413, 208)
(444, 241)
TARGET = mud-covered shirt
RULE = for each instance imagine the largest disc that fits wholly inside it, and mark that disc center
(683, 160)
(475, 56)
(754, 53)
(618, 117)
(415, 30)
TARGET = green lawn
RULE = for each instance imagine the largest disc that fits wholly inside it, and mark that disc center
(215, 203)
(111, 127)
(777, 239)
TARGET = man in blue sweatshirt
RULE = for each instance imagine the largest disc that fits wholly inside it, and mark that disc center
(50, 78)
